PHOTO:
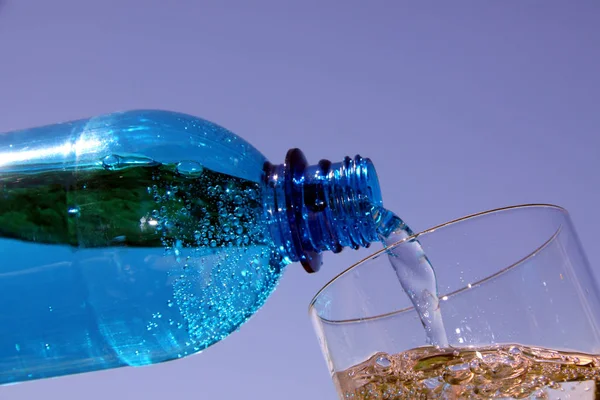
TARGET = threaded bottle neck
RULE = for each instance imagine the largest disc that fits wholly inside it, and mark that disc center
(327, 206)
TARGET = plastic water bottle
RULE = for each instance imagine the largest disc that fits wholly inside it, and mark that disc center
(139, 237)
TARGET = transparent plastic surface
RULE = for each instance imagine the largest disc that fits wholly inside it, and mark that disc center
(518, 301)
(125, 240)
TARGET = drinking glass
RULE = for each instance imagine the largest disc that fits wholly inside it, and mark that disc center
(518, 302)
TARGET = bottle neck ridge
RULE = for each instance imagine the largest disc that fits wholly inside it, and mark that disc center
(328, 206)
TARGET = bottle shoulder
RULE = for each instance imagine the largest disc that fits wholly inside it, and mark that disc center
(159, 135)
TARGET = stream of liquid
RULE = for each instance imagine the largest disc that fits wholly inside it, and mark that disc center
(417, 277)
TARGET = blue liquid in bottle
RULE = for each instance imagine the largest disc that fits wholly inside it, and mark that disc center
(140, 237)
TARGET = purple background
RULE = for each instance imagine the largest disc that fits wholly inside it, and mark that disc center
(462, 107)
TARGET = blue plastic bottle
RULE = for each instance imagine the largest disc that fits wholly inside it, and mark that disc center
(139, 237)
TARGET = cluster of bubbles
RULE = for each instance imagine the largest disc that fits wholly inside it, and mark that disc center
(224, 263)
(154, 322)
(225, 216)
(220, 294)
(496, 372)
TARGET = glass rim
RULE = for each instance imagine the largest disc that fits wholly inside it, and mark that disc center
(431, 230)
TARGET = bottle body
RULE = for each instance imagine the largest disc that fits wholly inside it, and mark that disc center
(128, 239)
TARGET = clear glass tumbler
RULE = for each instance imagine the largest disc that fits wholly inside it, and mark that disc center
(518, 301)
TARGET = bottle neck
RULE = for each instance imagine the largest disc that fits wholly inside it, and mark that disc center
(328, 206)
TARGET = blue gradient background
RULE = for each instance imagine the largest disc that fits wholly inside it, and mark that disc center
(463, 106)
